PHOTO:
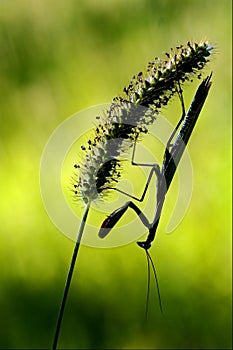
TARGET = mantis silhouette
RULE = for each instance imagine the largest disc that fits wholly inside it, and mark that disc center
(165, 174)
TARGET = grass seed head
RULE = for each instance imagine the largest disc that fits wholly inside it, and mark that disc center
(100, 168)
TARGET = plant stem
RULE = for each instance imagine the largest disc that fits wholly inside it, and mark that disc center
(69, 277)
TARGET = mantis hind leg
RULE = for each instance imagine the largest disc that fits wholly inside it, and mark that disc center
(155, 169)
(181, 98)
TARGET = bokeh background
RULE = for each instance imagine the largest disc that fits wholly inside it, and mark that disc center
(56, 58)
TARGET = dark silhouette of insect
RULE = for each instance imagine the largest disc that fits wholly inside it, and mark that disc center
(172, 156)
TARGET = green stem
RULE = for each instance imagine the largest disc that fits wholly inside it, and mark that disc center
(69, 277)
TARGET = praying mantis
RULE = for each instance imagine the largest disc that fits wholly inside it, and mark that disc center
(172, 156)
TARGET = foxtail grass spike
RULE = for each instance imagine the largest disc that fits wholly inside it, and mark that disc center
(100, 168)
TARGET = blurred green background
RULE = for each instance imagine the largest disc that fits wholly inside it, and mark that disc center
(57, 58)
